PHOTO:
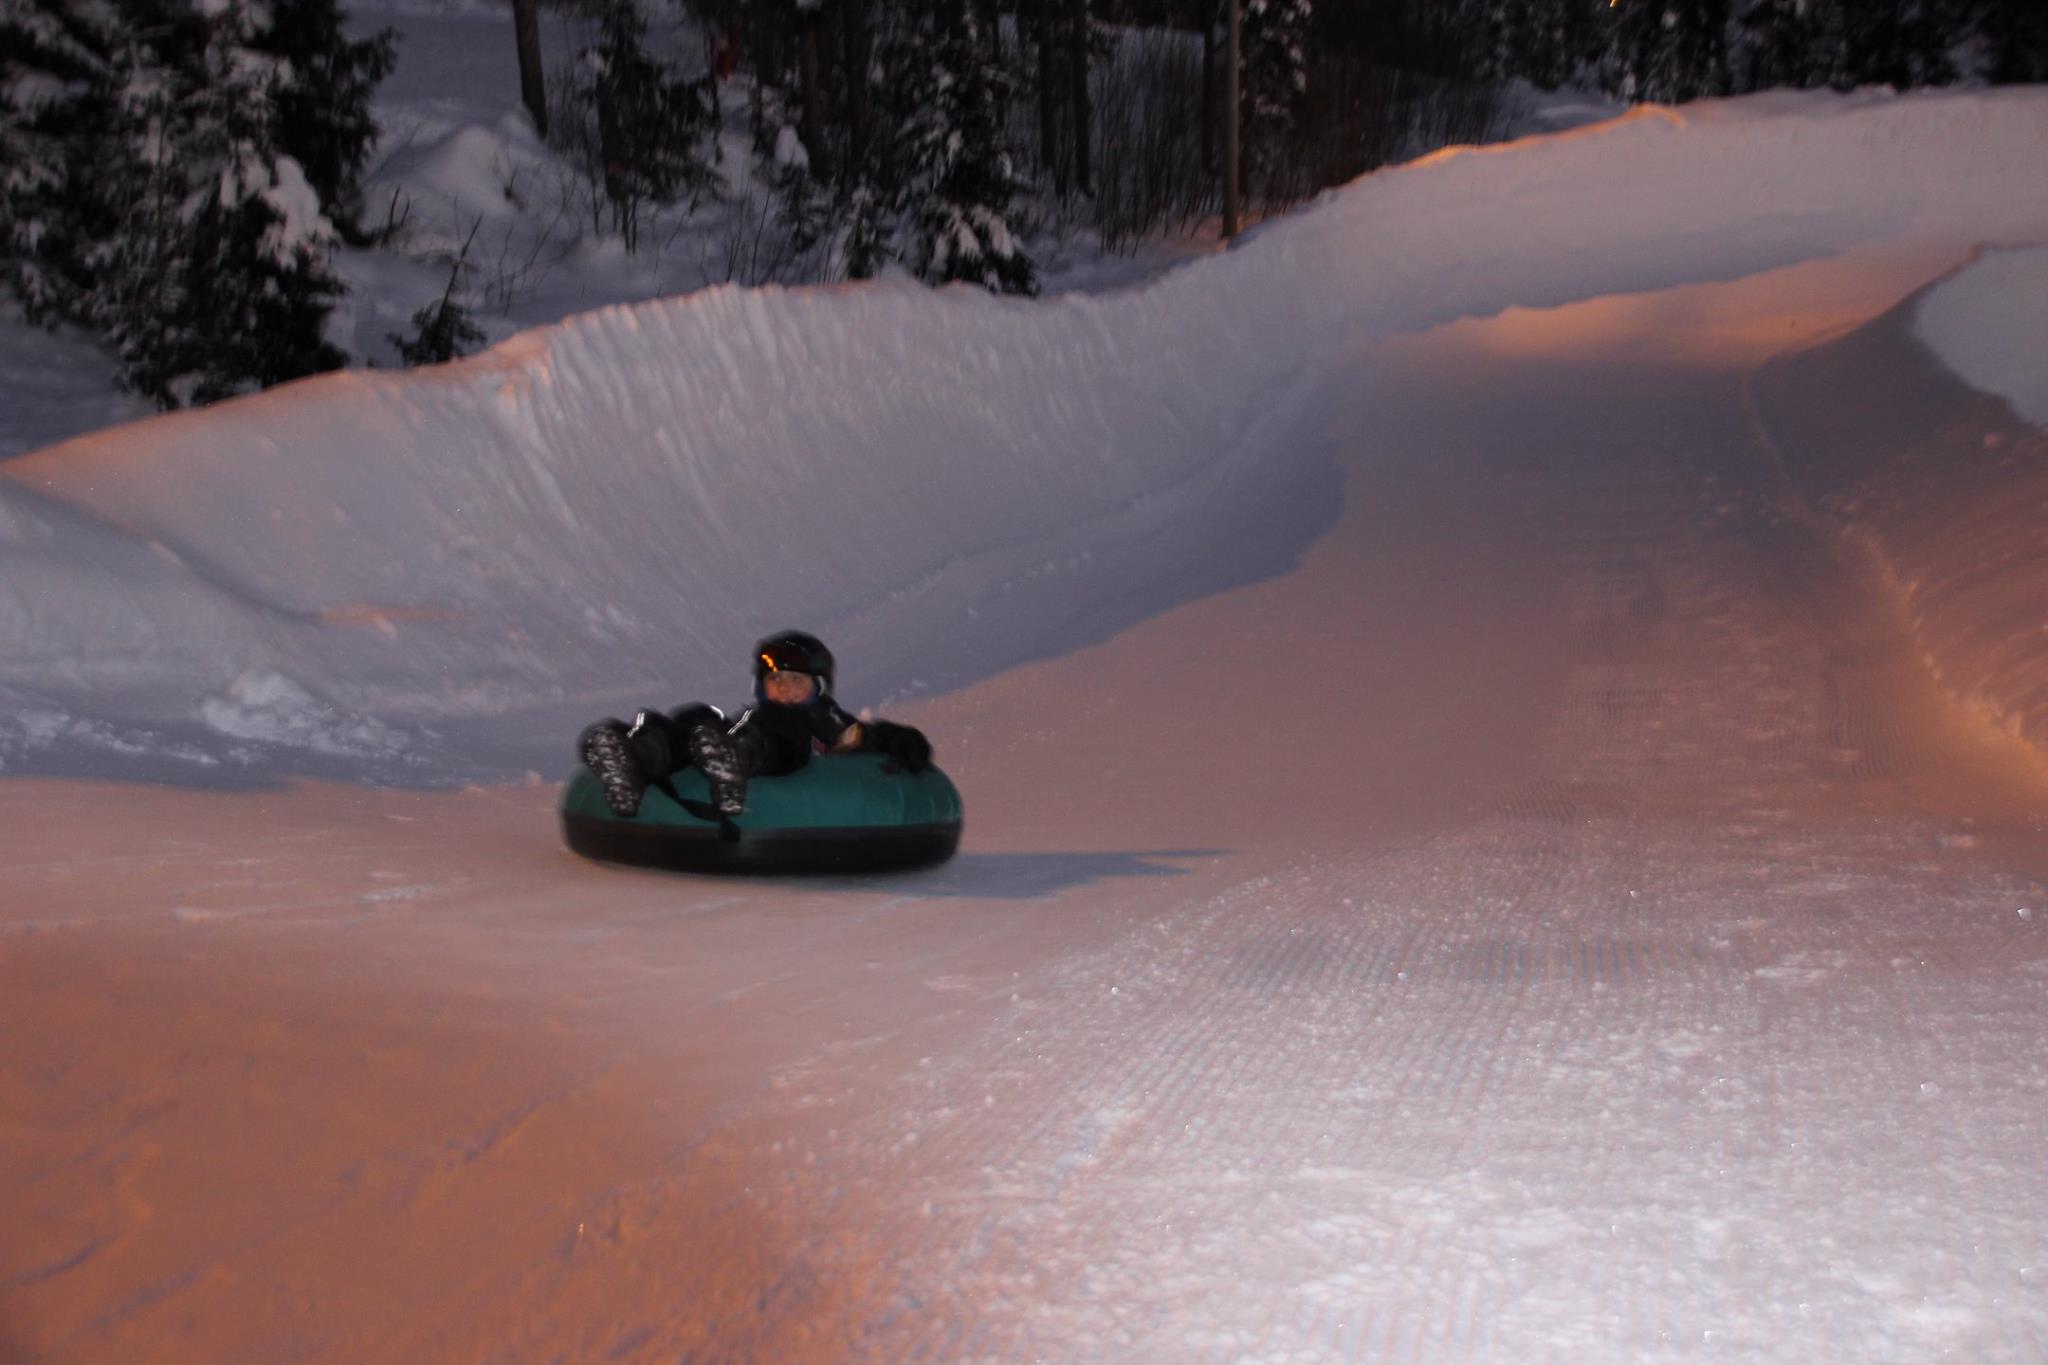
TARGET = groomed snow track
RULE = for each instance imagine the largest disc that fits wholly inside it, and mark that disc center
(1559, 920)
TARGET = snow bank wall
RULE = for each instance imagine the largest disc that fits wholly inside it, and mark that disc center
(1944, 484)
(613, 506)
(1989, 325)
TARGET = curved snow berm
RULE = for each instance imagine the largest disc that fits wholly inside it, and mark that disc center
(607, 510)
(1944, 482)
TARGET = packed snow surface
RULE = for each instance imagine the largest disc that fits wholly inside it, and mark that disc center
(1467, 858)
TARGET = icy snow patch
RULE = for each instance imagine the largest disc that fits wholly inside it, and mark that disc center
(31, 729)
(300, 227)
(272, 708)
(467, 168)
(789, 151)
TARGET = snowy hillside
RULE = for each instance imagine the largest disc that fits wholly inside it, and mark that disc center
(601, 512)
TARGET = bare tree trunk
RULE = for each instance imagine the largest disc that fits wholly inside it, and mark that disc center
(1206, 9)
(1084, 124)
(1048, 120)
(990, 18)
(808, 117)
(770, 55)
(854, 26)
(532, 88)
(1230, 122)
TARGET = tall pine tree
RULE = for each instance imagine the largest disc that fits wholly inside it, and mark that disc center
(1275, 78)
(1666, 50)
(215, 276)
(323, 118)
(260, 278)
(54, 78)
(957, 177)
(1549, 43)
(135, 269)
(2016, 32)
(154, 191)
(649, 122)
(1774, 44)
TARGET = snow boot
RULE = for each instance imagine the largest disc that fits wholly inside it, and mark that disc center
(715, 756)
(607, 752)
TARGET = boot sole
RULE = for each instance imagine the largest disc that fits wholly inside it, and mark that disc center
(605, 754)
(714, 756)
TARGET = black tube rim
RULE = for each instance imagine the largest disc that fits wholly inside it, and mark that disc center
(686, 848)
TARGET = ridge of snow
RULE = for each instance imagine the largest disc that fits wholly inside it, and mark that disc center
(1899, 434)
(616, 503)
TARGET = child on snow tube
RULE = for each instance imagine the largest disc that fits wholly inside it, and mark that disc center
(793, 716)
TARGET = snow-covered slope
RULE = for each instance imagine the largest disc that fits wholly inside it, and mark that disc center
(1944, 483)
(609, 508)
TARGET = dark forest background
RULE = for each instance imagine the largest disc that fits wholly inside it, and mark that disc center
(177, 175)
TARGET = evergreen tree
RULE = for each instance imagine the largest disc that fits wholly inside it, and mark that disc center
(1893, 42)
(151, 194)
(1275, 77)
(137, 264)
(2017, 36)
(1666, 50)
(323, 117)
(442, 331)
(804, 203)
(1549, 43)
(212, 274)
(861, 246)
(957, 176)
(1845, 43)
(1774, 44)
(261, 263)
(649, 121)
(55, 78)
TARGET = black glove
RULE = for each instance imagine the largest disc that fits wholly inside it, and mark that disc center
(906, 748)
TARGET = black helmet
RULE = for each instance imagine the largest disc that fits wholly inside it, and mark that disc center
(792, 651)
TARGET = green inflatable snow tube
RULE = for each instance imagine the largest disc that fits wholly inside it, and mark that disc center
(838, 813)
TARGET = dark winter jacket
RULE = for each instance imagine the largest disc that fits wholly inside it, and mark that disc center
(773, 740)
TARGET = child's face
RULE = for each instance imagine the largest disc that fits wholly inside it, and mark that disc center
(788, 689)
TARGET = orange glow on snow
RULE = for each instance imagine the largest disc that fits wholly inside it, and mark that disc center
(1714, 326)
(1641, 113)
